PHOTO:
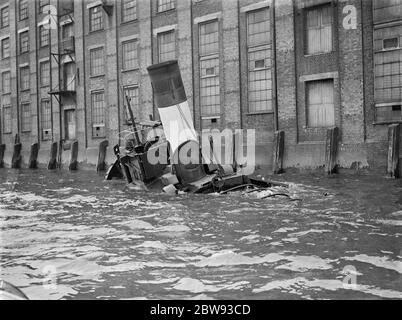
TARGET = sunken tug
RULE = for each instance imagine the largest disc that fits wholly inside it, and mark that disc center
(167, 157)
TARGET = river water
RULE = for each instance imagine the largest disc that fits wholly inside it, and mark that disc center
(70, 235)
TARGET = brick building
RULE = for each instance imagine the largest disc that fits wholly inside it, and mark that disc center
(297, 66)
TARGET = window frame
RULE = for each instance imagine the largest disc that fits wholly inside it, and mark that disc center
(124, 60)
(2, 48)
(24, 119)
(91, 61)
(135, 107)
(124, 10)
(23, 12)
(159, 46)
(47, 119)
(44, 34)
(2, 10)
(41, 73)
(92, 22)
(4, 91)
(27, 48)
(165, 5)
(28, 82)
(7, 126)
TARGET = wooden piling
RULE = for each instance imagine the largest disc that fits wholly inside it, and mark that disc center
(394, 136)
(74, 156)
(33, 157)
(16, 159)
(279, 146)
(52, 164)
(2, 152)
(101, 165)
(331, 150)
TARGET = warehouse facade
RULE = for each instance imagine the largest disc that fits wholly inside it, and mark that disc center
(297, 66)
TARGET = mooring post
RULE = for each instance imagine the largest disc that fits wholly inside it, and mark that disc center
(2, 152)
(74, 156)
(101, 165)
(16, 160)
(331, 150)
(394, 135)
(33, 163)
(52, 164)
(279, 146)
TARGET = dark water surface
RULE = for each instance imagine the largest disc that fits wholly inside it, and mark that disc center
(72, 236)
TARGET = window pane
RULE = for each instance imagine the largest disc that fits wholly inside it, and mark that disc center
(24, 41)
(4, 17)
(5, 48)
(209, 38)
(23, 9)
(129, 10)
(44, 73)
(210, 87)
(98, 110)
(164, 5)
(43, 36)
(96, 18)
(132, 93)
(258, 27)
(97, 61)
(6, 82)
(166, 46)
(7, 119)
(130, 59)
(25, 117)
(24, 78)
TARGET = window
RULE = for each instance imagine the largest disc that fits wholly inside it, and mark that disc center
(209, 38)
(44, 73)
(166, 46)
(319, 30)
(5, 48)
(129, 10)
(132, 93)
(391, 43)
(67, 30)
(69, 76)
(164, 5)
(7, 119)
(24, 41)
(24, 78)
(210, 95)
(4, 17)
(5, 82)
(43, 36)
(42, 5)
(46, 119)
(23, 9)
(69, 122)
(95, 18)
(25, 117)
(97, 61)
(320, 103)
(98, 112)
(259, 61)
(258, 27)
(130, 59)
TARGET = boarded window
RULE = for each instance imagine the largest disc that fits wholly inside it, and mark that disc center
(5, 48)
(210, 88)
(129, 10)
(44, 34)
(5, 82)
(25, 117)
(320, 103)
(7, 119)
(95, 19)
(391, 43)
(97, 61)
(130, 54)
(319, 30)
(166, 46)
(132, 93)
(209, 38)
(4, 17)
(44, 73)
(24, 41)
(46, 119)
(23, 9)
(164, 5)
(24, 78)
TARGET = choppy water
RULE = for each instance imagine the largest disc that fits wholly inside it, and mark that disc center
(72, 236)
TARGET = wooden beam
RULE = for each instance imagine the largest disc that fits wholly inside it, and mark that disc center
(331, 150)
(2, 152)
(74, 156)
(279, 146)
(52, 164)
(394, 137)
(101, 165)
(33, 157)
